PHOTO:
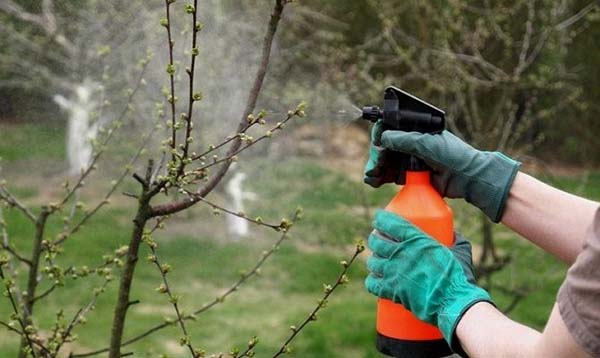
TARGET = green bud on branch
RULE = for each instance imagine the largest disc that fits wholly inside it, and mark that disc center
(253, 342)
(170, 69)
(344, 279)
(189, 8)
(184, 341)
(162, 288)
(165, 268)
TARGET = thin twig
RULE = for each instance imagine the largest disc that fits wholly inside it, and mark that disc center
(526, 41)
(68, 271)
(192, 97)
(249, 352)
(46, 293)
(114, 185)
(11, 200)
(11, 328)
(328, 290)
(14, 252)
(250, 142)
(171, 71)
(15, 330)
(10, 265)
(254, 271)
(543, 37)
(72, 270)
(13, 303)
(79, 316)
(73, 210)
(577, 16)
(173, 299)
(227, 140)
(46, 21)
(202, 171)
(257, 221)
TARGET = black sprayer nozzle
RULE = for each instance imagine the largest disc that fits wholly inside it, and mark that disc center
(372, 113)
(405, 112)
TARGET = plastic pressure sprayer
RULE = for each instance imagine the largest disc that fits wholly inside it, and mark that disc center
(399, 332)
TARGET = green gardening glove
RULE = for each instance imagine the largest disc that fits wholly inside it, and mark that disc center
(409, 267)
(383, 165)
(459, 170)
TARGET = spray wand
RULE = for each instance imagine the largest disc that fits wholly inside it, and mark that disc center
(399, 332)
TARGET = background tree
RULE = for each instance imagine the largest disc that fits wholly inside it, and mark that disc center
(171, 182)
(503, 71)
(69, 52)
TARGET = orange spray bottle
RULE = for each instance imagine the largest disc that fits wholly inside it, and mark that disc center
(399, 332)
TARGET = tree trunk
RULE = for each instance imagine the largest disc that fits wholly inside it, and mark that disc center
(32, 280)
(123, 302)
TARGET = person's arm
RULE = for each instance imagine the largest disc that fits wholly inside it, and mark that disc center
(484, 331)
(550, 218)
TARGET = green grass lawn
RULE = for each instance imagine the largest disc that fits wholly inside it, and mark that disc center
(44, 140)
(288, 287)
(205, 262)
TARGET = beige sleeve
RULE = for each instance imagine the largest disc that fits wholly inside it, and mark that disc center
(579, 295)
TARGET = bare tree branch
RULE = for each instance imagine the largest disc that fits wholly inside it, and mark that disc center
(46, 21)
(173, 298)
(577, 16)
(28, 43)
(192, 96)
(250, 142)
(526, 40)
(328, 290)
(257, 221)
(10, 327)
(78, 318)
(172, 208)
(11, 8)
(543, 37)
(114, 185)
(171, 71)
(11, 200)
(6, 243)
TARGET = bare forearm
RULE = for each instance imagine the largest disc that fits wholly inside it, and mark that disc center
(550, 218)
(486, 332)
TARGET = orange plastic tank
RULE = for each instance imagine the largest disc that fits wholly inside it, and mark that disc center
(399, 332)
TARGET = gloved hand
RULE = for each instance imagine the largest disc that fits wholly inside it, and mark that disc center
(460, 171)
(383, 165)
(409, 267)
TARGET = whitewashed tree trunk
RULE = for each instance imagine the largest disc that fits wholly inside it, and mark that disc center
(81, 129)
(238, 227)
